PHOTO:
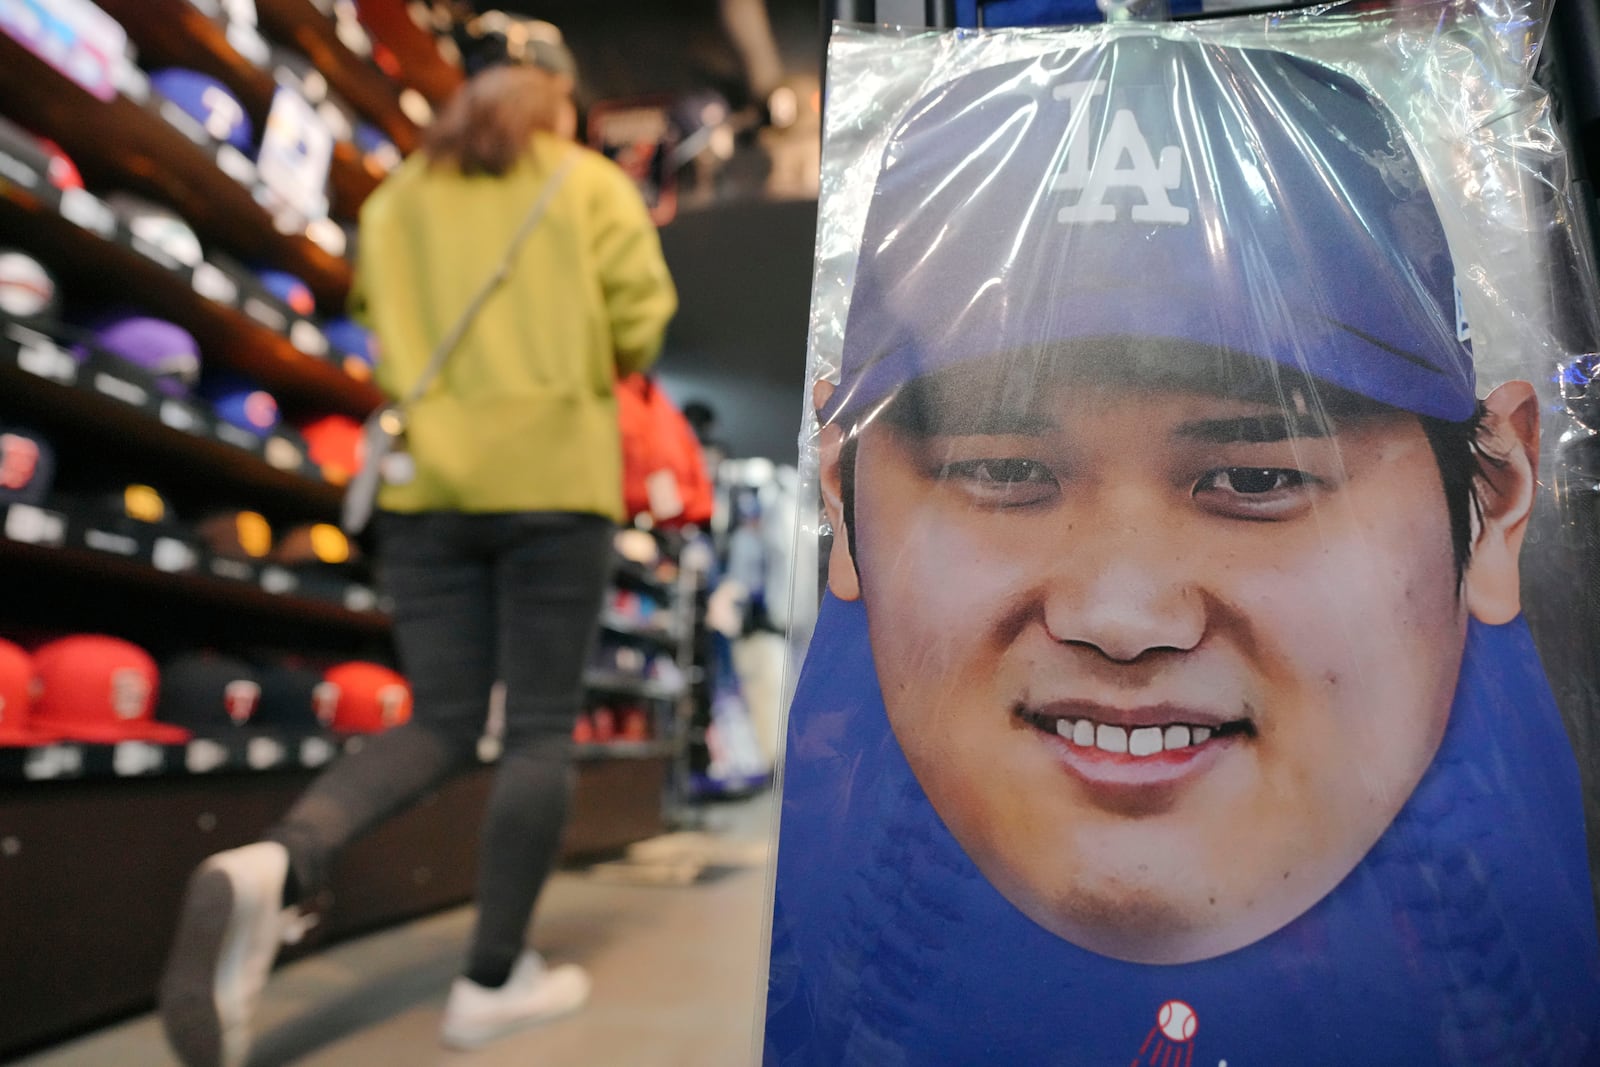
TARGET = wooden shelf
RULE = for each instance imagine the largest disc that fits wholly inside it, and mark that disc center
(57, 539)
(174, 33)
(123, 143)
(418, 54)
(366, 87)
(108, 262)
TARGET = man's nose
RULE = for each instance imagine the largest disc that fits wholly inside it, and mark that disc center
(1126, 590)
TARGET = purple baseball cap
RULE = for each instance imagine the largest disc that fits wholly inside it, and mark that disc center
(1156, 196)
(162, 348)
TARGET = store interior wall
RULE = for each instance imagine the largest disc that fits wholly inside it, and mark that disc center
(738, 342)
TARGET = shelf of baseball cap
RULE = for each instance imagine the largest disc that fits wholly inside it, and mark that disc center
(176, 33)
(399, 26)
(666, 636)
(629, 685)
(96, 395)
(328, 41)
(95, 540)
(143, 143)
(237, 322)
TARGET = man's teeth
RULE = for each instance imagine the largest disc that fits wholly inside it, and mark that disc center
(1141, 741)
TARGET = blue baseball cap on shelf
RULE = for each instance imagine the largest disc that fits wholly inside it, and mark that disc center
(288, 288)
(346, 334)
(241, 403)
(208, 102)
(1156, 195)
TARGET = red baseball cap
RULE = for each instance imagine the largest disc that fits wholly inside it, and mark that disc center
(362, 698)
(17, 727)
(334, 443)
(100, 689)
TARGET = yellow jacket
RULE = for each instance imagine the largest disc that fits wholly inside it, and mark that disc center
(522, 417)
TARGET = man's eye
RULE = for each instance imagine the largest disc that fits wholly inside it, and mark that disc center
(997, 471)
(1002, 483)
(1251, 481)
(1257, 493)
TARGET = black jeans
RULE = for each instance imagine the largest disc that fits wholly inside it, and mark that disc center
(477, 598)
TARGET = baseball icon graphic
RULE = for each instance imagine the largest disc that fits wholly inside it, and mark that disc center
(1177, 1020)
(1170, 1041)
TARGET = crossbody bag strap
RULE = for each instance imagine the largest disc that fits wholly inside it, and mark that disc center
(529, 221)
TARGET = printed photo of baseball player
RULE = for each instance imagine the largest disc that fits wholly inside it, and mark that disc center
(1176, 553)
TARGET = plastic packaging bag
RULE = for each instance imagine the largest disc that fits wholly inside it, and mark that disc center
(1175, 422)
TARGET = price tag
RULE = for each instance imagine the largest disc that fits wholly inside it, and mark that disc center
(232, 569)
(132, 82)
(266, 314)
(305, 336)
(235, 164)
(315, 751)
(114, 543)
(15, 170)
(203, 757)
(35, 526)
(150, 250)
(43, 358)
(230, 434)
(53, 761)
(360, 598)
(133, 758)
(89, 212)
(177, 415)
(278, 581)
(174, 556)
(282, 454)
(118, 389)
(264, 752)
(248, 43)
(184, 123)
(214, 284)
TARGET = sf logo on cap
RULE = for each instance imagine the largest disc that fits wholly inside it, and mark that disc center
(1122, 160)
(240, 698)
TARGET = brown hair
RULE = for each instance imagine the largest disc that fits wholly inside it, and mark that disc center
(486, 126)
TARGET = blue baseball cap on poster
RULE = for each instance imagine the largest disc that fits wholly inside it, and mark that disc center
(1224, 199)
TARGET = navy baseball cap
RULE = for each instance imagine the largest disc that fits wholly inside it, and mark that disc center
(1160, 195)
(208, 102)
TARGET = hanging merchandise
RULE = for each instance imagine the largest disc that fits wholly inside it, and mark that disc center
(663, 473)
(1177, 697)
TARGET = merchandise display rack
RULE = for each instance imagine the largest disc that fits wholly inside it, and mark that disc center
(77, 817)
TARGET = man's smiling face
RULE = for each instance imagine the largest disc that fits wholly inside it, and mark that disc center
(1166, 664)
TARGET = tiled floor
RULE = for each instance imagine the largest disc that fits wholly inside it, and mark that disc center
(677, 974)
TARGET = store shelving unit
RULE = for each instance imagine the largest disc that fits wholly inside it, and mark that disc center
(79, 819)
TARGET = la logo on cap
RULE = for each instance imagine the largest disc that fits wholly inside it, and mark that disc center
(1122, 160)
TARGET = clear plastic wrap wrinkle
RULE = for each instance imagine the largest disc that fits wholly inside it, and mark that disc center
(1199, 450)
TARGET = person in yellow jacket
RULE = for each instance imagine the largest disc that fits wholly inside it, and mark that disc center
(494, 533)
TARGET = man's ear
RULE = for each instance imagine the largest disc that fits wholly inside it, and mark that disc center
(1509, 439)
(842, 579)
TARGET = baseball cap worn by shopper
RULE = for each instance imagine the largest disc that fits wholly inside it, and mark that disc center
(1342, 273)
(17, 725)
(494, 39)
(100, 689)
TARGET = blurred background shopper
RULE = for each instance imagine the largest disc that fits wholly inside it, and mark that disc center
(494, 531)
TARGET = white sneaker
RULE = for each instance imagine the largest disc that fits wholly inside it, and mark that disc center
(476, 1015)
(233, 921)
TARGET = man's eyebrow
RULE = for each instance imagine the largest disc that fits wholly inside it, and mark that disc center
(953, 420)
(1255, 429)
